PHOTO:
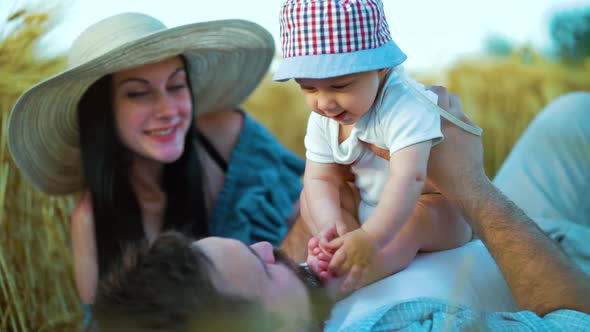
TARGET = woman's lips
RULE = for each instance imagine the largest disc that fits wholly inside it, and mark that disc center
(163, 135)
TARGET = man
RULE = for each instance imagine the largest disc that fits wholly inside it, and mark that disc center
(220, 284)
(173, 283)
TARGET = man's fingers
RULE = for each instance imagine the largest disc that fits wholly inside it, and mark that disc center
(457, 109)
(445, 101)
(450, 103)
(443, 96)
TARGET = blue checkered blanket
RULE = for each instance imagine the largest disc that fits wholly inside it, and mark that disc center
(431, 315)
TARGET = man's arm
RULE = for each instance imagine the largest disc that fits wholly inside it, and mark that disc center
(541, 277)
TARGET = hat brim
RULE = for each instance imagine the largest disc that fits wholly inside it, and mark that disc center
(333, 65)
(226, 60)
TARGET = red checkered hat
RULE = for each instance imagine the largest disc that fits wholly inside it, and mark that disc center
(328, 38)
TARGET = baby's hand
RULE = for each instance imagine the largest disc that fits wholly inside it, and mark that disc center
(355, 252)
(327, 234)
(317, 260)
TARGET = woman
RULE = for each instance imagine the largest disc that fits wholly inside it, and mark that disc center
(119, 125)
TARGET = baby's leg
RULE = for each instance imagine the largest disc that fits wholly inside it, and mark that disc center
(434, 225)
(349, 201)
(446, 229)
(442, 226)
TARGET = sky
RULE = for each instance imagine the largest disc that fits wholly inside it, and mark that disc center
(432, 33)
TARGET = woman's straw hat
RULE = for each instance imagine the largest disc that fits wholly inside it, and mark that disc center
(226, 61)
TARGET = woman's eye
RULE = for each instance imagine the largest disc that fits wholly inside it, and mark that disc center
(136, 94)
(177, 87)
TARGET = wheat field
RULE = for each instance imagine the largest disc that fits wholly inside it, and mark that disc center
(37, 291)
(36, 280)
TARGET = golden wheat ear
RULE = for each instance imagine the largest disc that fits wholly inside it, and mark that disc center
(37, 290)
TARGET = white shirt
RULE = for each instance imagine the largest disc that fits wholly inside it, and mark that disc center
(464, 276)
(398, 118)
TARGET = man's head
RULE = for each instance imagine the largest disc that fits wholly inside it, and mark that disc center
(214, 284)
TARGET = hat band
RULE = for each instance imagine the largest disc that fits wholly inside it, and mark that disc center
(333, 65)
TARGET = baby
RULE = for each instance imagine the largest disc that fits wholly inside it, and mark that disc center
(341, 54)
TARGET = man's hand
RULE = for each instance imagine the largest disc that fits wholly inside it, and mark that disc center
(457, 162)
(354, 253)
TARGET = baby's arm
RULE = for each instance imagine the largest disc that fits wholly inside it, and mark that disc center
(407, 169)
(321, 185)
(396, 204)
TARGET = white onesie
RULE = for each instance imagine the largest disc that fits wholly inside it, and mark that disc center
(397, 119)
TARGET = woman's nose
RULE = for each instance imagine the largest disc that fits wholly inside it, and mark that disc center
(165, 106)
(265, 251)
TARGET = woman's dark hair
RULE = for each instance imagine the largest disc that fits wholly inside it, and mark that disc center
(106, 167)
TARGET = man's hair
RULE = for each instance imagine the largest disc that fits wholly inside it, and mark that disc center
(168, 286)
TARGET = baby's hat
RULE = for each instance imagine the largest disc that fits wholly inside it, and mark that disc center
(329, 38)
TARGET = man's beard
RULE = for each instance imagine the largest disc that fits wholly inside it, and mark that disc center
(321, 303)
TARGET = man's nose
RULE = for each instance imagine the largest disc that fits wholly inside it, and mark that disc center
(264, 250)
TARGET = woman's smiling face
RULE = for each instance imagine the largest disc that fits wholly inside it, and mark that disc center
(153, 109)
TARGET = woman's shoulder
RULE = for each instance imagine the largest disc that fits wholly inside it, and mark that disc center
(222, 128)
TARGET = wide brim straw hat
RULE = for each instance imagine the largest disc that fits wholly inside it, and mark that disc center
(226, 60)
